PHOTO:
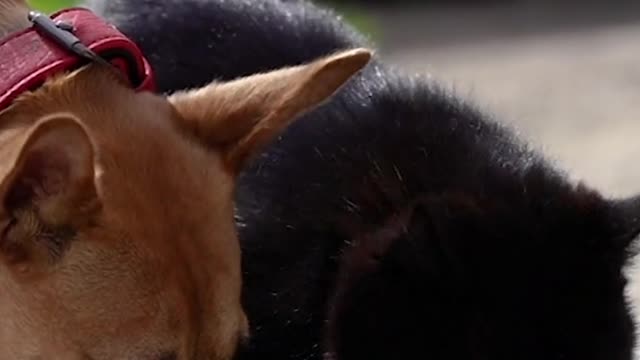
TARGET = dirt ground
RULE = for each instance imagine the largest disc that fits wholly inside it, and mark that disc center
(566, 77)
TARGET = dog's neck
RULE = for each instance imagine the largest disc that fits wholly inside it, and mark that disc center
(13, 16)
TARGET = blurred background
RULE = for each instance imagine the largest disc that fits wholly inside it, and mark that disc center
(565, 74)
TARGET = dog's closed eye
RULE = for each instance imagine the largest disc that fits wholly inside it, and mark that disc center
(171, 355)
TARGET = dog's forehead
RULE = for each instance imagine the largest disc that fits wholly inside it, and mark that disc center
(148, 174)
(165, 188)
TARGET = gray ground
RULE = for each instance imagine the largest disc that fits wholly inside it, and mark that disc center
(566, 76)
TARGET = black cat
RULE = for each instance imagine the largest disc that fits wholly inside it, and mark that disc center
(396, 221)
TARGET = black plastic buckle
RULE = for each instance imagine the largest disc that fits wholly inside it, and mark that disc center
(62, 34)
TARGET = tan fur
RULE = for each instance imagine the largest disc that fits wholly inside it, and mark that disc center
(259, 106)
(13, 16)
(116, 211)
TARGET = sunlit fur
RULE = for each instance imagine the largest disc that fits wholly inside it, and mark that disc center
(12, 16)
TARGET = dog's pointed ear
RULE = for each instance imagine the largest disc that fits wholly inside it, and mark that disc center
(241, 116)
(46, 188)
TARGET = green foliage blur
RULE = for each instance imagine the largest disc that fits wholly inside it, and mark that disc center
(51, 5)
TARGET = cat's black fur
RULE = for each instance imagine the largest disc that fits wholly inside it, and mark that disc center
(395, 221)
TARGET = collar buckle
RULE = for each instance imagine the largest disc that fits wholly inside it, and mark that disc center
(65, 41)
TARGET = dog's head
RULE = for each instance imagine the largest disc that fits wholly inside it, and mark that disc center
(116, 209)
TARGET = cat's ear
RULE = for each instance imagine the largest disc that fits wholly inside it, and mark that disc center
(239, 117)
(428, 236)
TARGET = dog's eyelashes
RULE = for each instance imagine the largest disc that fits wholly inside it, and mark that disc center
(172, 355)
(6, 229)
(8, 225)
(8, 245)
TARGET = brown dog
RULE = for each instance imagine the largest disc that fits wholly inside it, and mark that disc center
(116, 211)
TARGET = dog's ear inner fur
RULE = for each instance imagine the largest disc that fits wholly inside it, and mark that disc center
(47, 188)
(243, 115)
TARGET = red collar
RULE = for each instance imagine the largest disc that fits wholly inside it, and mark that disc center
(28, 58)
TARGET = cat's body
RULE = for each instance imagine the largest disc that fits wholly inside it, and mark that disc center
(395, 219)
